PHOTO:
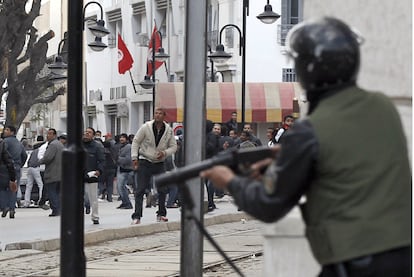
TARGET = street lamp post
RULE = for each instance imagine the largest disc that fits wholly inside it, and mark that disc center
(72, 257)
(160, 56)
(268, 17)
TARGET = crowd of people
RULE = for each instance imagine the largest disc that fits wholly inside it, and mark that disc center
(113, 160)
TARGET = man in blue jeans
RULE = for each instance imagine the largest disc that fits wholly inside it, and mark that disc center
(125, 169)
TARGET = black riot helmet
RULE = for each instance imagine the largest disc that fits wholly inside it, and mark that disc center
(325, 53)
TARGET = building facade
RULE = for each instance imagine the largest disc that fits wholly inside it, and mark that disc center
(116, 102)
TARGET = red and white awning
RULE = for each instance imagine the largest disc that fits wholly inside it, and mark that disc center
(265, 102)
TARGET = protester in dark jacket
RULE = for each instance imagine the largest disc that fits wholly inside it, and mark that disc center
(19, 156)
(106, 186)
(125, 170)
(94, 167)
(8, 183)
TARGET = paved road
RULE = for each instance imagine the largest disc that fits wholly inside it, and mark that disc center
(32, 226)
(125, 250)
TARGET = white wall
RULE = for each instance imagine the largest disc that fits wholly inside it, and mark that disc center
(386, 59)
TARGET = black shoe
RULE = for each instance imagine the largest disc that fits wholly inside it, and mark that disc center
(126, 207)
(88, 210)
(120, 206)
(5, 211)
(95, 221)
(54, 214)
(11, 214)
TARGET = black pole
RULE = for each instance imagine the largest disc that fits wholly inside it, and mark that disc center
(72, 257)
(153, 73)
(213, 78)
(243, 102)
(132, 81)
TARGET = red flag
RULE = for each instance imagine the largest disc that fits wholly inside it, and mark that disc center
(155, 36)
(125, 60)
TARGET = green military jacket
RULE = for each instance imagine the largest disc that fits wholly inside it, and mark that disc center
(350, 161)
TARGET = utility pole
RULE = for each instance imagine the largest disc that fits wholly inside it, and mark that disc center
(195, 112)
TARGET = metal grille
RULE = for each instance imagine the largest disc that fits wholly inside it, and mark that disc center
(289, 75)
(112, 109)
(114, 15)
(163, 4)
(138, 8)
(91, 111)
(91, 20)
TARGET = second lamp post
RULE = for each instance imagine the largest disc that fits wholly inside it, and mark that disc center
(220, 56)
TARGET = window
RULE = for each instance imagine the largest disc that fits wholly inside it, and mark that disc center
(162, 7)
(147, 111)
(114, 19)
(289, 75)
(291, 15)
(212, 26)
(115, 124)
(138, 17)
(117, 93)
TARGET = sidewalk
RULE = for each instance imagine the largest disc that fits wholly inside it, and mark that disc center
(34, 229)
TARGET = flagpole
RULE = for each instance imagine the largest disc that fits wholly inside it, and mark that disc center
(132, 81)
(166, 71)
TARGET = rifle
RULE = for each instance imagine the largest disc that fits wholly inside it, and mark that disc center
(239, 160)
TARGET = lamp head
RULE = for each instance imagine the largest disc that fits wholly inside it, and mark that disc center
(147, 83)
(57, 78)
(99, 30)
(97, 45)
(58, 67)
(220, 56)
(268, 16)
(161, 56)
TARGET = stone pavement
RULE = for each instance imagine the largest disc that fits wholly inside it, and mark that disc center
(34, 229)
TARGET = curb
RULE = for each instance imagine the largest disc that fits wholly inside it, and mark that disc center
(98, 236)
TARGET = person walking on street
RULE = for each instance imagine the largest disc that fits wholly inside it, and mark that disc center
(8, 184)
(212, 148)
(125, 169)
(151, 145)
(53, 170)
(33, 176)
(355, 174)
(19, 156)
(106, 187)
(42, 149)
(94, 166)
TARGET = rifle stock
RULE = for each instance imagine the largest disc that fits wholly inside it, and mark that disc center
(237, 159)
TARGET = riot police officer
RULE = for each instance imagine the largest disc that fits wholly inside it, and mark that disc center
(354, 173)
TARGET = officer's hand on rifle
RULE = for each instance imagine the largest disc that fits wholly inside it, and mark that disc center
(259, 168)
(220, 175)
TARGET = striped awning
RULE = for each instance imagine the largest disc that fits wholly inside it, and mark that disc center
(265, 102)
